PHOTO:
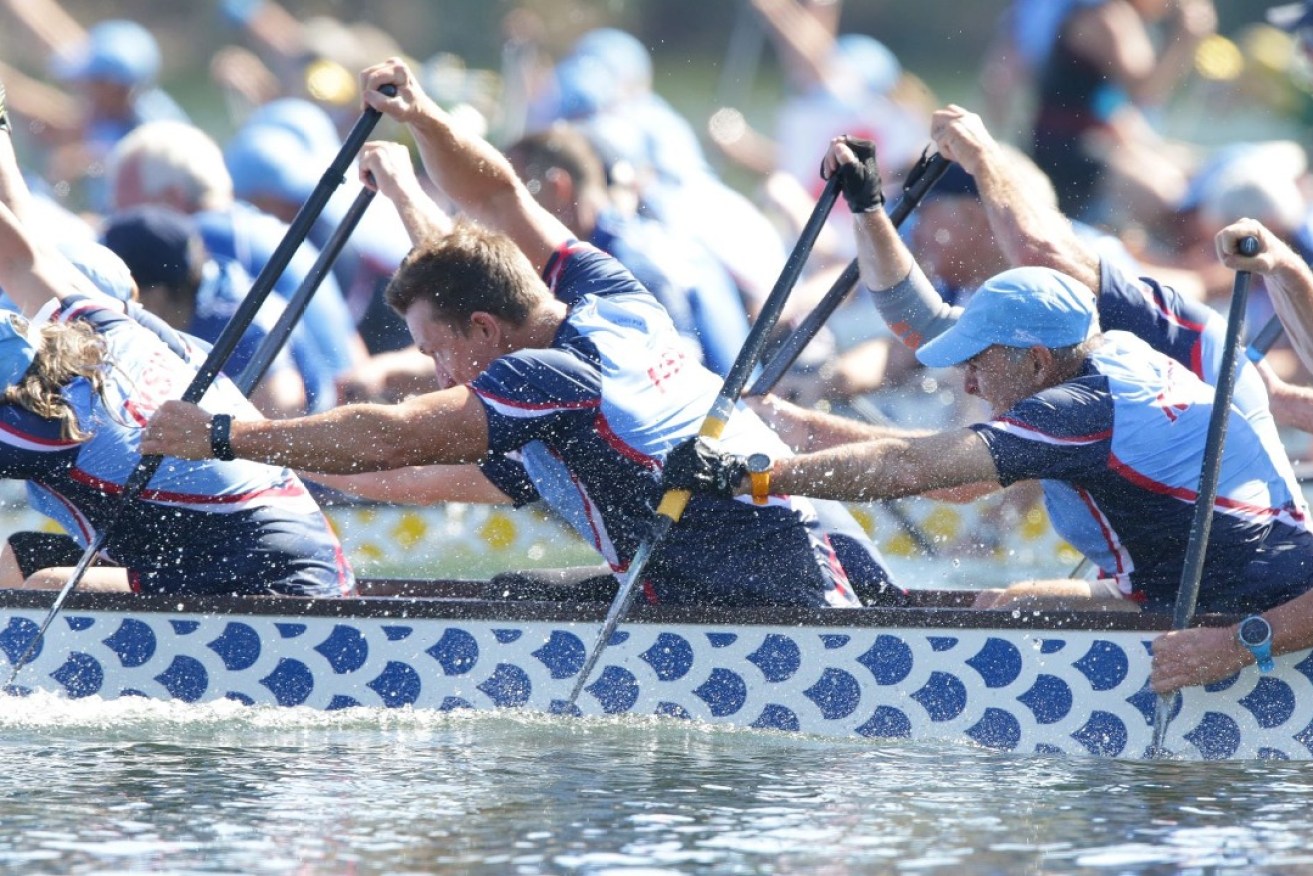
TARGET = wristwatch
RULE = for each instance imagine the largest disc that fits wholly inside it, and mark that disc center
(759, 468)
(1255, 633)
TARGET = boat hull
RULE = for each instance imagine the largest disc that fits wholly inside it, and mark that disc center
(1069, 683)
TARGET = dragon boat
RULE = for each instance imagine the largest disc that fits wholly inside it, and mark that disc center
(1046, 682)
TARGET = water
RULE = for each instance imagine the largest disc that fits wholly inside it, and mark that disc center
(134, 786)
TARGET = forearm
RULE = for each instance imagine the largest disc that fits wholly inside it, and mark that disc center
(882, 257)
(362, 438)
(47, 21)
(825, 431)
(419, 485)
(1292, 624)
(422, 218)
(468, 169)
(802, 40)
(887, 468)
(912, 308)
(1290, 288)
(13, 188)
(1029, 232)
(1291, 405)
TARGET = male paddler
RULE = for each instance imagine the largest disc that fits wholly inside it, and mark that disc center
(1121, 424)
(565, 381)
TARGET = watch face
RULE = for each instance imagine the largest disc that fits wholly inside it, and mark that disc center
(759, 463)
(1255, 631)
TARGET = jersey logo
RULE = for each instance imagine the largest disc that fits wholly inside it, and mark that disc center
(1171, 409)
(671, 363)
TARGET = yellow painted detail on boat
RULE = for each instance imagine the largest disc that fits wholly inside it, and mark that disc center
(1068, 554)
(1035, 524)
(498, 531)
(900, 545)
(943, 523)
(410, 529)
(865, 519)
(368, 553)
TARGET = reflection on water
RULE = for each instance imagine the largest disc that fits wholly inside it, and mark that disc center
(132, 786)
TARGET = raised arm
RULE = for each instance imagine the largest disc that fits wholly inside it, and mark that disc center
(31, 274)
(907, 301)
(467, 168)
(1022, 214)
(1288, 278)
(386, 167)
(1114, 36)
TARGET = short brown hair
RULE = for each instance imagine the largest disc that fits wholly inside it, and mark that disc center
(559, 146)
(469, 269)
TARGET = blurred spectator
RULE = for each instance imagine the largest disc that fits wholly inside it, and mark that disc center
(179, 166)
(113, 68)
(566, 176)
(604, 86)
(276, 160)
(178, 281)
(1100, 73)
(837, 84)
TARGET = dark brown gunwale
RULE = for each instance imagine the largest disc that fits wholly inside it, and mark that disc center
(940, 610)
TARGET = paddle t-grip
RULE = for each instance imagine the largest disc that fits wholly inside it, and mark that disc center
(1247, 246)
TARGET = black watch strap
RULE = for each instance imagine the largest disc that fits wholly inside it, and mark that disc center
(221, 426)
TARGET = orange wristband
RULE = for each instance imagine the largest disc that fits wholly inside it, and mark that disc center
(759, 469)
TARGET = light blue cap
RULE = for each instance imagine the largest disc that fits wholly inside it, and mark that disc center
(622, 53)
(16, 351)
(1022, 308)
(307, 120)
(869, 60)
(116, 50)
(585, 87)
(272, 162)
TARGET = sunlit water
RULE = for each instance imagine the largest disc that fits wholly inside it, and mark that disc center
(135, 786)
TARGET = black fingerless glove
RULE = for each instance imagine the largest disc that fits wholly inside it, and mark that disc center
(861, 184)
(698, 467)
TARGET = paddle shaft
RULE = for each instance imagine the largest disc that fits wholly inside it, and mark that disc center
(1192, 572)
(219, 354)
(935, 166)
(1263, 341)
(674, 502)
(268, 350)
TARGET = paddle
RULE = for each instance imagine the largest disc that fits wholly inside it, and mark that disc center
(223, 348)
(1202, 524)
(713, 426)
(1263, 341)
(920, 181)
(254, 371)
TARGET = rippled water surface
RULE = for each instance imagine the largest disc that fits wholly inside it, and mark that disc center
(135, 786)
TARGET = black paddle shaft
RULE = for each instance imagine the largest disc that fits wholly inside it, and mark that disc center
(1202, 523)
(919, 183)
(223, 348)
(1210, 474)
(264, 356)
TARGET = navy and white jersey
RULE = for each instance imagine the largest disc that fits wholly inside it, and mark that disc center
(1194, 336)
(198, 527)
(591, 419)
(1127, 436)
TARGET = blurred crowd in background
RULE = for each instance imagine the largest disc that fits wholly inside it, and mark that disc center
(171, 143)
